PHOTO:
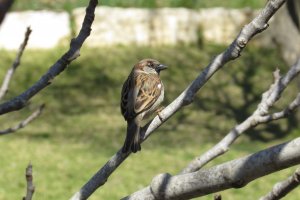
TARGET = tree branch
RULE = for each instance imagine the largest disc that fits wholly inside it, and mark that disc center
(4, 7)
(25, 122)
(14, 66)
(259, 116)
(256, 26)
(217, 197)
(283, 188)
(29, 180)
(61, 64)
(232, 174)
(284, 113)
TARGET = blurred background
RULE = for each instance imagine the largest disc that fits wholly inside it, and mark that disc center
(82, 127)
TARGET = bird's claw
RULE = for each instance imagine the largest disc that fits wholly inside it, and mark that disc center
(158, 112)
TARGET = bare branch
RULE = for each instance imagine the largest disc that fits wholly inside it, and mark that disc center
(100, 177)
(283, 188)
(284, 113)
(256, 26)
(233, 174)
(61, 64)
(25, 122)
(14, 66)
(4, 7)
(259, 116)
(29, 180)
(217, 197)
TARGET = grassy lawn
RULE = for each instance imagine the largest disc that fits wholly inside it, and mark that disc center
(70, 4)
(82, 127)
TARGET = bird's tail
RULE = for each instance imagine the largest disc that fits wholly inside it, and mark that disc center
(132, 140)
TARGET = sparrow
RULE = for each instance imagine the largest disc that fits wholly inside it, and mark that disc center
(142, 93)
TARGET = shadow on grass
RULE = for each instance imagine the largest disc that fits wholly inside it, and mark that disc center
(236, 93)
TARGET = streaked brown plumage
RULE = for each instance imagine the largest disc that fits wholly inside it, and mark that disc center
(142, 93)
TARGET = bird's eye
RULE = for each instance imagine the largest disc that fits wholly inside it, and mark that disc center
(151, 65)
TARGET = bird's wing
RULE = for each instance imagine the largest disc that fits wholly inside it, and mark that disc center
(146, 91)
(126, 90)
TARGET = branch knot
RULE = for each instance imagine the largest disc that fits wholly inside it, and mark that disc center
(242, 42)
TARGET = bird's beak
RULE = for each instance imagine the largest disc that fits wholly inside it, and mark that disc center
(161, 67)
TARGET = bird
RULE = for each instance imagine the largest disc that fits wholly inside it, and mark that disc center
(142, 93)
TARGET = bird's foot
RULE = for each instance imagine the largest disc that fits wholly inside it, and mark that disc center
(158, 112)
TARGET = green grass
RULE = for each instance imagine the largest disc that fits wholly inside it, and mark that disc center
(82, 127)
(195, 4)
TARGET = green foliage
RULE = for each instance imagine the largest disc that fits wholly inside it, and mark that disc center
(195, 4)
(82, 125)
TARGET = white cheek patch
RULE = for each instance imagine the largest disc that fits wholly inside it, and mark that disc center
(159, 86)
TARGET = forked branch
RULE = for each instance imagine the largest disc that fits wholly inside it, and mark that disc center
(166, 187)
(25, 122)
(260, 115)
(257, 25)
(60, 65)
(233, 174)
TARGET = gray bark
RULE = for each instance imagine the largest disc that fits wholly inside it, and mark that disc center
(257, 25)
(30, 186)
(232, 174)
(283, 188)
(61, 64)
(259, 116)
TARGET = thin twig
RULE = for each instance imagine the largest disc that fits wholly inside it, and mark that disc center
(10, 72)
(29, 179)
(163, 187)
(256, 26)
(60, 65)
(260, 115)
(284, 113)
(25, 122)
(283, 188)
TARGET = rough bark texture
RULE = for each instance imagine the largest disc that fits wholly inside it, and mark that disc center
(283, 188)
(256, 26)
(233, 174)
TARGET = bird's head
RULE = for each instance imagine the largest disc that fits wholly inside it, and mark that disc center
(150, 65)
